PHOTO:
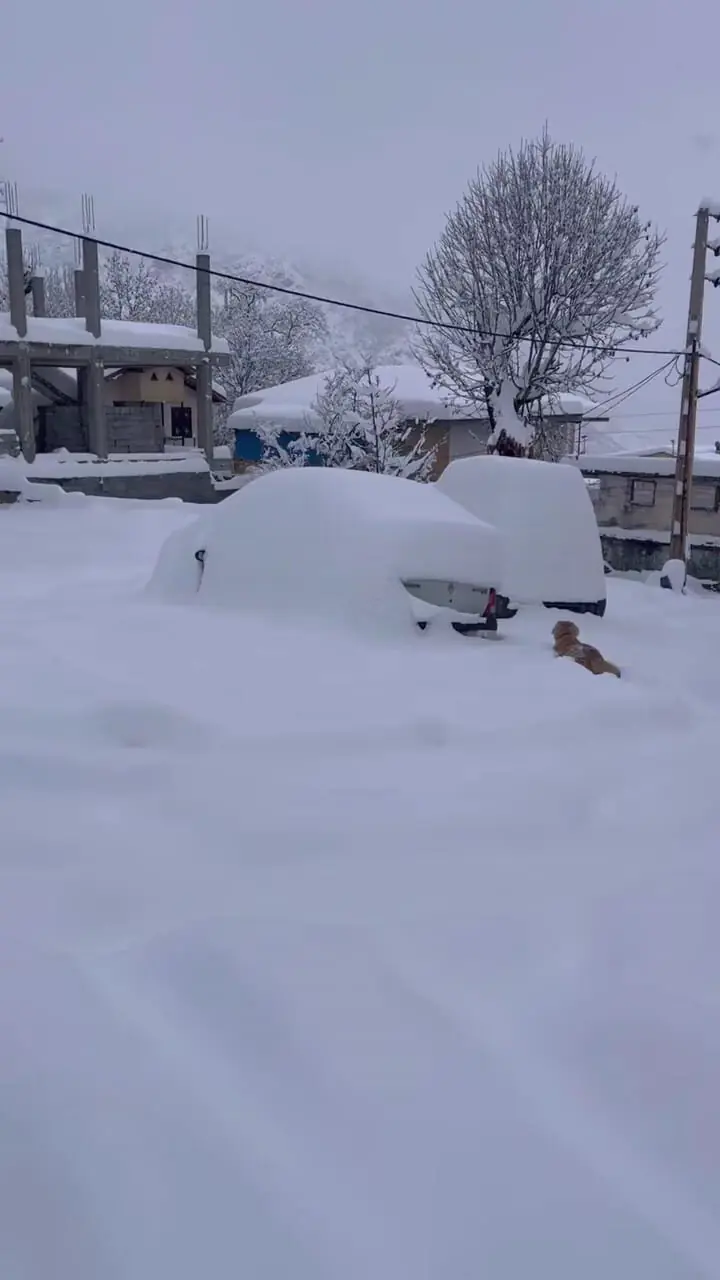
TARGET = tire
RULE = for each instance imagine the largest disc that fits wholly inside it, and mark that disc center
(596, 607)
(475, 628)
(502, 608)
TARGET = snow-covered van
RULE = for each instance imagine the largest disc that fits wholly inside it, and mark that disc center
(553, 554)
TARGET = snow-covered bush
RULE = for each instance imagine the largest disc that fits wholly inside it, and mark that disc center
(357, 425)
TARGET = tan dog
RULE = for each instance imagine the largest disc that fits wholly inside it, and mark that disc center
(569, 645)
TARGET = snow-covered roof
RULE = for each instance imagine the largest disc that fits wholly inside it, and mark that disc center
(71, 331)
(705, 465)
(291, 403)
(642, 441)
(568, 402)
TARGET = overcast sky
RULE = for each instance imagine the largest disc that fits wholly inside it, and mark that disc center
(341, 132)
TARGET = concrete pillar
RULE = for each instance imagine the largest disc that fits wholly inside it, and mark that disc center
(37, 289)
(97, 423)
(91, 282)
(79, 281)
(23, 403)
(204, 369)
(82, 395)
(16, 279)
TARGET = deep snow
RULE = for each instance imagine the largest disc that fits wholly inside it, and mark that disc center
(329, 545)
(323, 958)
(552, 549)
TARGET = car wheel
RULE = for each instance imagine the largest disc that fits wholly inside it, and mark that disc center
(502, 608)
(476, 628)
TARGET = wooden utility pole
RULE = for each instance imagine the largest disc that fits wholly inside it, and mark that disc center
(688, 405)
(204, 328)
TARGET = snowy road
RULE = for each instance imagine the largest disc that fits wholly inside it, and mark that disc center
(323, 960)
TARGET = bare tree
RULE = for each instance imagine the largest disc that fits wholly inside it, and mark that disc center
(273, 337)
(542, 272)
(4, 284)
(60, 291)
(130, 289)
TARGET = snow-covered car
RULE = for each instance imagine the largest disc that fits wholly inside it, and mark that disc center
(345, 547)
(552, 549)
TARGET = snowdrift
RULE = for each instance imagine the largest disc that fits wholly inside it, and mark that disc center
(327, 544)
(544, 513)
(324, 960)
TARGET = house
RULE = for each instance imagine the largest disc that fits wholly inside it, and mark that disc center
(453, 433)
(635, 492)
(164, 398)
(633, 498)
(106, 386)
(147, 410)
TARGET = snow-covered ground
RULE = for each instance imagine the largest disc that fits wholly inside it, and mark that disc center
(327, 960)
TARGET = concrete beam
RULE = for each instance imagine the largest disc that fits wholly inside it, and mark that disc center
(78, 354)
(91, 279)
(23, 404)
(37, 289)
(16, 279)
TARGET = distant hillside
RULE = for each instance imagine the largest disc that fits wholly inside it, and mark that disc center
(174, 236)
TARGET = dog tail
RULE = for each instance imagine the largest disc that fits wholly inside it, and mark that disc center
(612, 670)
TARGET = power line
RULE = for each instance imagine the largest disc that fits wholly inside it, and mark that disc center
(663, 413)
(641, 431)
(620, 351)
(621, 396)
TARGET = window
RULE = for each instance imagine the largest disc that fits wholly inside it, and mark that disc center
(180, 422)
(705, 497)
(642, 493)
(168, 377)
(153, 377)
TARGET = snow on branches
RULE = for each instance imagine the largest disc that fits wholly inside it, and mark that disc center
(356, 423)
(273, 337)
(544, 270)
(132, 290)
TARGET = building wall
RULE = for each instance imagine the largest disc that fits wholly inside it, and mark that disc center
(631, 502)
(468, 438)
(186, 485)
(166, 388)
(134, 428)
(555, 439)
(645, 555)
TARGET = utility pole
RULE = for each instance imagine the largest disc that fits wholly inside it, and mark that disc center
(682, 496)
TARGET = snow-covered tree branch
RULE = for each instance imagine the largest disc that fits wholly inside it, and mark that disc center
(542, 272)
(60, 291)
(273, 337)
(132, 290)
(358, 424)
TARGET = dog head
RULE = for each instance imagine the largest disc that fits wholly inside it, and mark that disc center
(565, 631)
